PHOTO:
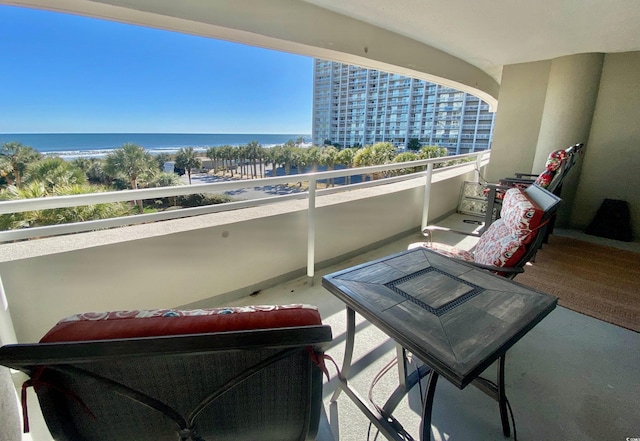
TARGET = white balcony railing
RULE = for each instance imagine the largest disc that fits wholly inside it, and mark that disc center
(23, 205)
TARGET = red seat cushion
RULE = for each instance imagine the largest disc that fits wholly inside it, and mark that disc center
(498, 246)
(159, 322)
(520, 214)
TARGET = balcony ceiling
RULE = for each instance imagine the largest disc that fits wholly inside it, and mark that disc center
(492, 33)
(463, 43)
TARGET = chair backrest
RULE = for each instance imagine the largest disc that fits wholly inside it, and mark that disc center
(572, 154)
(513, 240)
(262, 383)
(558, 165)
(566, 160)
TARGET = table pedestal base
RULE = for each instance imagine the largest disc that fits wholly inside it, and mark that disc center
(383, 419)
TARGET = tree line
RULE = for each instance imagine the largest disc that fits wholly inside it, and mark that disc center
(26, 173)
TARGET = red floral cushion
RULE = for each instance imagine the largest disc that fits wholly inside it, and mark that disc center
(445, 250)
(520, 214)
(545, 178)
(498, 246)
(554, 161)
(152, 323)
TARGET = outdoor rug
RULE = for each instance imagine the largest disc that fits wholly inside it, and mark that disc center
(595, 280)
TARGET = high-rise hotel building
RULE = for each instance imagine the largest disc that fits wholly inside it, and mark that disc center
(354, 106)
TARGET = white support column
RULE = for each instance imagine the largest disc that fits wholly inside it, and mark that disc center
(7, 331)
(311, 228)
(427, 196)
(569, 104)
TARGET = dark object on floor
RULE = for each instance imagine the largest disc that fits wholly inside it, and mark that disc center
(612, 220)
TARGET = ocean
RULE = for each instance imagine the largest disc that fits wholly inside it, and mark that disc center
(73, 145)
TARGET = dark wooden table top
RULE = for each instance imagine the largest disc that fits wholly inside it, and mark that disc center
(456, 318)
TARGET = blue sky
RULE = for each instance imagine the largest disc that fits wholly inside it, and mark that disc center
(64, 73)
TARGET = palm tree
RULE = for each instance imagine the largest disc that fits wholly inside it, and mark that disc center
(131, 161)
(213, 153)
(329, 158)
(299, 160)
(263, 157)
(363, 158)
(288, 156)
(188, 160)
(14, 158)
(161, 158)
(241, 155)
(84, 212)
(251, 154)
(54, 171)
(383, 153)
(275, 156)
(433, 151)
(313, 157)
(345, 157)
(406, 157)
(165, 179)
(37, 189)
(82, 163)
(93, 169)
(224, 154)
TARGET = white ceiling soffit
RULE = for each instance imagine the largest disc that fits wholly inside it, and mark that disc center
(293, 26)
(492, 33)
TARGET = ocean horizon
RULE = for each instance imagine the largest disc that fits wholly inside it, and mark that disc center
(73, 145)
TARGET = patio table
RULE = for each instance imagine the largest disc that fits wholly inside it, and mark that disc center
(455, 318)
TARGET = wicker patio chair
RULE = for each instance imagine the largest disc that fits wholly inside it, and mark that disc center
(226, 374)
(511, 241)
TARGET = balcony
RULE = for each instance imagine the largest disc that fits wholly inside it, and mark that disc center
(277, 249)
(570, 378)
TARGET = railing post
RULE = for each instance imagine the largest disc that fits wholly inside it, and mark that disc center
(478, 165)
(311, 228)
(427, 196)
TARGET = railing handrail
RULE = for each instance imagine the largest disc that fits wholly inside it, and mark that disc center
(34, 204)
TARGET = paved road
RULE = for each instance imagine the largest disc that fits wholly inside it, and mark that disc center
(241, 193)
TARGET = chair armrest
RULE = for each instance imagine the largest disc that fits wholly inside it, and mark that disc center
(525, 175)
(518, 180)
(427, 231)
(496, 187)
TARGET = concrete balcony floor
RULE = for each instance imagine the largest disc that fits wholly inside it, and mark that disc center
(572, 377)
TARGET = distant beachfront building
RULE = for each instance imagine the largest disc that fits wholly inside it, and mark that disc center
(353, 106)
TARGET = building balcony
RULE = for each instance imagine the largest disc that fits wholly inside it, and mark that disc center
(275, 251)
(572, 377)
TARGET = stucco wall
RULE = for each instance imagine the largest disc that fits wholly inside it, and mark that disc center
(573, 99)
(517, 122)
(611, 167)
(172, 269)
